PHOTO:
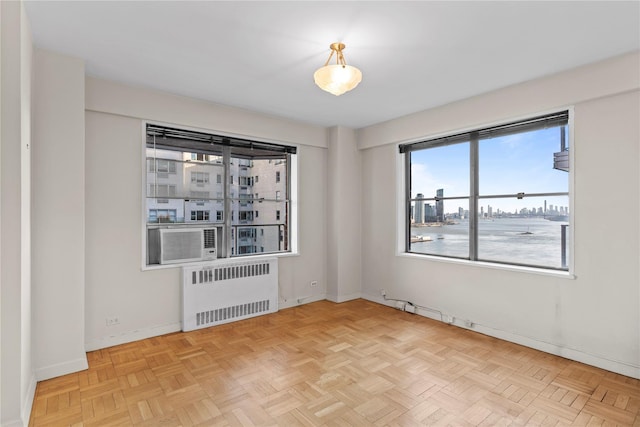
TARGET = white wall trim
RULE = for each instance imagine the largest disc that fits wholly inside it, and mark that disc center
(293, 302)
(59, 369)
(28, 403)
(131, 336)
(566, 352)
(25, 412)
(344, 298)
(598, 361)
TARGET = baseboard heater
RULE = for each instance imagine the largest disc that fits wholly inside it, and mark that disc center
(226, 292)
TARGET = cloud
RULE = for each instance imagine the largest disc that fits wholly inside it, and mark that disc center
(423, 181)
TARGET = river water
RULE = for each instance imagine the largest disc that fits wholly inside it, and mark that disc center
(526, 241)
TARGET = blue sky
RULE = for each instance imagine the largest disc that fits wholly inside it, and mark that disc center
(509, 164)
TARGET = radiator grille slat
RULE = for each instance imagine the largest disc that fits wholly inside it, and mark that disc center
(216, 274)
(205, 318)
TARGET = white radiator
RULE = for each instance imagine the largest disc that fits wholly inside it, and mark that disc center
(222, 293)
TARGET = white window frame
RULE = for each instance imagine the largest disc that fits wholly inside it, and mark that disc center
(294, 198)
(401, 172)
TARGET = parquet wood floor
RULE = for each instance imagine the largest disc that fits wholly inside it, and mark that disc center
(323, 364)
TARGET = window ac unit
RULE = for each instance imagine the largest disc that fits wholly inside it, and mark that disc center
(177, 245)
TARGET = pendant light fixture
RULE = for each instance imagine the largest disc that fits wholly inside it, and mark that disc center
(340, 77)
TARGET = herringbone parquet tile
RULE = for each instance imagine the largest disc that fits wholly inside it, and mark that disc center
(323, 364)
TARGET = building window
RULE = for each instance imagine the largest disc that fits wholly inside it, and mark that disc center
(161, 166)
(181, 165)
(199, 215)
(246, 216)
(498, 194)
(277, 215)
(162, 216)
(200, 157)
(200, 178)
(162, 190)
(277, 176)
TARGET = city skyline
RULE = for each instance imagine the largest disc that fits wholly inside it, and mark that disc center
(521, 163)
(428, 211)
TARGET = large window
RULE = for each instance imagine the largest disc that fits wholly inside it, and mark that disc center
(190, 187)
(498, 194)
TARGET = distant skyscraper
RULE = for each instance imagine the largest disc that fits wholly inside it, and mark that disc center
(418, 214)
(440, 205)
(429, 213)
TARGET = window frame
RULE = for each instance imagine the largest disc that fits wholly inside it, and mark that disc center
(403, 200)
(292, 190)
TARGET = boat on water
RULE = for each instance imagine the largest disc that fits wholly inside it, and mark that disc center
(418, 239)
(560, 218)
(526, 232)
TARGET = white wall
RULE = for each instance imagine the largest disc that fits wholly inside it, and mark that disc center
(147, 303)
(593, 317)
(17, 380)
(58, 239)
(344, 214)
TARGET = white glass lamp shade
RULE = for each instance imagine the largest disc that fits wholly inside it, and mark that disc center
(337, 79)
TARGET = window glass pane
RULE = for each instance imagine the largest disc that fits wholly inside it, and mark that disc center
(523, 232)
(441, 168)
(185, 186)
(440, 227)
(449, 237)
(264, 230)
(267, 187)
(256, 220)
(524, 162)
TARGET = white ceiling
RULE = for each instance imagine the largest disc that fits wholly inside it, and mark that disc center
(261, 55)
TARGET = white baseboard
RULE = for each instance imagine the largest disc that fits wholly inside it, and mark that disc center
(623, 368)
(131, 336)
(64, 368)
(25, 411)
(294, 302)
(568, 353)
(28, 404)
(343, 298)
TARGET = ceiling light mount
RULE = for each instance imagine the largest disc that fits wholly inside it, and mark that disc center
(339, 78)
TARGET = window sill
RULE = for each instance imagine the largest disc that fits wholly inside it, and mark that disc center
(220, 261)
(483, 264)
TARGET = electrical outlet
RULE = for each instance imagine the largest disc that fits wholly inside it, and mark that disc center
(314, 283)
(112, 321)
(447, 318)
(468, 324)
(383, 292)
